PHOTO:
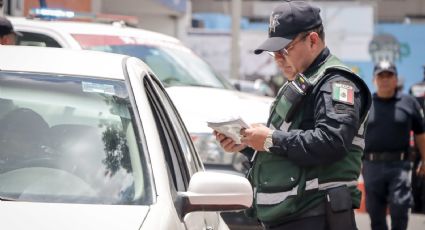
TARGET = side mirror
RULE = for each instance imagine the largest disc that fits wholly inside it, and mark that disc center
(213, 191)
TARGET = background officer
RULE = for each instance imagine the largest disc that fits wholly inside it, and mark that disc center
(418, 182)
(386, 168)
(308, 157)
(7, 33)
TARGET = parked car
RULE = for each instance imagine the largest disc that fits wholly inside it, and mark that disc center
(197, 91)
(258, 87)
(90, 140)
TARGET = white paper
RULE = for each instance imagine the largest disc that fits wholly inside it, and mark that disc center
(230, 127)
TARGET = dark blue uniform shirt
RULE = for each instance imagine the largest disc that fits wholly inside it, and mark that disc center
(390, 131)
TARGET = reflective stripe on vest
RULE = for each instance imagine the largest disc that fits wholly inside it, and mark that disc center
(275, 198)
(329, 185)
(358, 141)
(278, 197)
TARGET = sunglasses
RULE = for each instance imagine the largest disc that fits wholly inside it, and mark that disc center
(285, 50)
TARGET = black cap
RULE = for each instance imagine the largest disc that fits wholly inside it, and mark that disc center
(6, 27)
(287, 21)
(384, 66)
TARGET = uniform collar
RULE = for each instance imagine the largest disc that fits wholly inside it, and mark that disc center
(320, 59)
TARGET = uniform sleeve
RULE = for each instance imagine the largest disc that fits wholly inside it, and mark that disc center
(335, 125)
(418, 125)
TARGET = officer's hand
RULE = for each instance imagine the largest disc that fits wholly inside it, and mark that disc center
(421, 169)
(227, 143)
(255, 136)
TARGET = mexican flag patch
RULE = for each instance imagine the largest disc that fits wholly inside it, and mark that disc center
(343, 93)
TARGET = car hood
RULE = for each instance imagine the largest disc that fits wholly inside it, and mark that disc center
(197, 105)
(52, 216)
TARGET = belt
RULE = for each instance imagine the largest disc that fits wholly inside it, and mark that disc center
(386, 156)
(319, 210)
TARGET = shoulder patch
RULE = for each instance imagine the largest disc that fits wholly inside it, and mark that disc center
(343, 92)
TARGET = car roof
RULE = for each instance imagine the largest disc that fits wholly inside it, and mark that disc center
(62, 61)
(73, 27)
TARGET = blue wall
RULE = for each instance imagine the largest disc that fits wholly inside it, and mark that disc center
(412, 39)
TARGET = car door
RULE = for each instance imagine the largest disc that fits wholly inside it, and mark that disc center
(189, 160)
(181, 158)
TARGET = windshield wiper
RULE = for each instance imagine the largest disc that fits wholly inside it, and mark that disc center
(3, 198)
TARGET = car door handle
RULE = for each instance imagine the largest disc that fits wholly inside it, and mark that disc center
(209, 228)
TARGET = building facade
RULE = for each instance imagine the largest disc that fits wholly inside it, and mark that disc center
(394, 11)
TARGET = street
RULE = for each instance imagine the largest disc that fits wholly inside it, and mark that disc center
(416, 221)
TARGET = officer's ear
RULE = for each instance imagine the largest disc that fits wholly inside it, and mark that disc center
(314, 39)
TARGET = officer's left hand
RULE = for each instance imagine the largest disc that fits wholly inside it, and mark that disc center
(227, 143)
(255, 136)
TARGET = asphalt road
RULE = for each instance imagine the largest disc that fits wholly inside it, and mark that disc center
(416, 221)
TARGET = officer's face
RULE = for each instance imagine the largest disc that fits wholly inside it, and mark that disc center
(295, 57)
(386, 82)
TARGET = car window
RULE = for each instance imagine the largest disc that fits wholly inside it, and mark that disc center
(173, 64)
(188, 149)
(36, 39)
(175, 164)
(180, 155)
(69, 139)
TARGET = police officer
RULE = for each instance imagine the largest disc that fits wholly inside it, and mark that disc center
(387, 168)
(7, 34)
(418, 179)
(306, 161)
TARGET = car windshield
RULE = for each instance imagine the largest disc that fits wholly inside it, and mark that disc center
(69, 139)
(174, 65)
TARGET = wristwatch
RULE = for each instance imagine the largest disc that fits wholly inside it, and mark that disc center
(269, 141)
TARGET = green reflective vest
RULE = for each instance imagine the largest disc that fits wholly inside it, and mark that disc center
(284, 190)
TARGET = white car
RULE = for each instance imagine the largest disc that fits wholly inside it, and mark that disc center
(90, 140)
(199, 94)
